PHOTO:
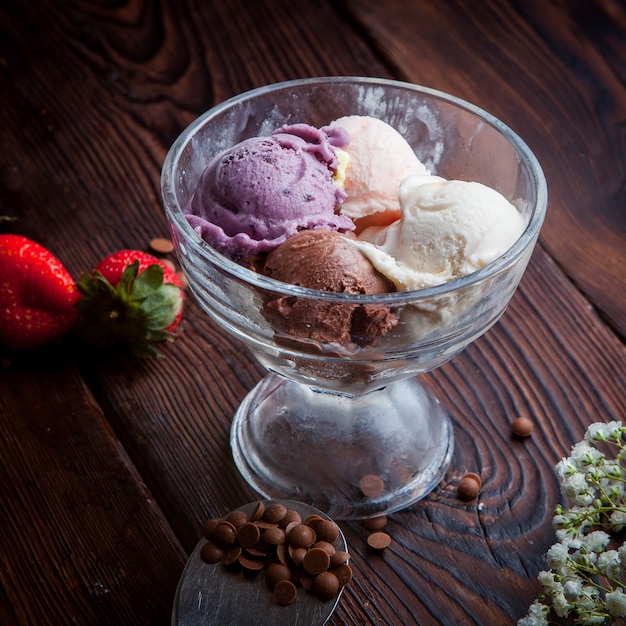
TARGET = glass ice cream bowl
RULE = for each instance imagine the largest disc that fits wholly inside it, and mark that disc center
(351, 429)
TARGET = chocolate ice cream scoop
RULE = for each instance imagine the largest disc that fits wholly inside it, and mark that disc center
(326, 260)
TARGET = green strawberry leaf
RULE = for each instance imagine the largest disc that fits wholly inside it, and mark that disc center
(125, 286)
(161, 307)
(135, 313)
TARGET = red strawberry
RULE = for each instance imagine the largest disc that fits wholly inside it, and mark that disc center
(37, 294)
(131, 298)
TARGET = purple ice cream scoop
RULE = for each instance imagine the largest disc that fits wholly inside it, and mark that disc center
(252, 197)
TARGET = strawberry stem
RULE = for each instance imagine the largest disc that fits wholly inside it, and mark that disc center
(137, 312)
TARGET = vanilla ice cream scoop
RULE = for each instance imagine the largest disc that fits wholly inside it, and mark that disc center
(448, 229)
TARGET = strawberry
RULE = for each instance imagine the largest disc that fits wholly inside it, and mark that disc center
(130, 298)
(37, 294)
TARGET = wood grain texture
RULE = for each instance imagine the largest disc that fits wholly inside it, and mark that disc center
(93, 96)
(81, 538)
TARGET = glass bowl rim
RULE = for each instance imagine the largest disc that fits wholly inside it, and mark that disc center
(266, 283)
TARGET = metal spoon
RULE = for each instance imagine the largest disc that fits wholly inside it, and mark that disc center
(209, 596)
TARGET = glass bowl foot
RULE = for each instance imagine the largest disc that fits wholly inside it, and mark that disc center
(350, 456)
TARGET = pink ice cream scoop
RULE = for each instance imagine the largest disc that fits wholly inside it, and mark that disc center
(252, 197)
(379, 159)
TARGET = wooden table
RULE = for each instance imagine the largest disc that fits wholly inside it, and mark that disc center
(108, 467)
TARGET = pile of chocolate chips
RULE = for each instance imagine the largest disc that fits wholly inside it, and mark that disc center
(275, 540)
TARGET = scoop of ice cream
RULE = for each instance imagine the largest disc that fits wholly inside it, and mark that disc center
(252, 197)
(327, 261)
(448, 229)
(379, 159)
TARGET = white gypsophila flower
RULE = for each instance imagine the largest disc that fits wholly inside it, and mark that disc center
(613, 469)
(560, 605)
(573, 523)
(614, 490)
(577, 519)
(584, 499)
(596, 541)
(610, 564)
(565, 468)
(572, 589)
(615, 603)
(588, 598)
(618, 521)
(585, 559)
(596, 475)
(549, 583)
(603, 432)
(570, 537)
(574, 486)
(537, 615)
(594, 489)
(584, 456)
(557, 556)
(560, 521)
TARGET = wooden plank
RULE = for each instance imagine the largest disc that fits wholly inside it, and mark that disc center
(82, 539)
(92, 98)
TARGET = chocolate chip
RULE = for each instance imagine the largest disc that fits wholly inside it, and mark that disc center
(325, 585)
(274, 513)
(301, 536)
(475, 476)
(371, 485)
(275, 572)
(274, 536)
(291, 525)
(274, 540)
(209, 527)
(306, 580)
(328, 547)
(343, 572)
(297, 555)
(259, 509)
(285, 592)
(251, 563)
(290, 517)
(339, 558)
(522, 427)
(316, 561)
(378, 540)
(237, 518)
(224, 534)
(468, 488)
(211, 553)
(282, 553)
(231, 555)
(161, 245)
(325, 530)
(254, 551)
(262, 524)
(248, 534)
